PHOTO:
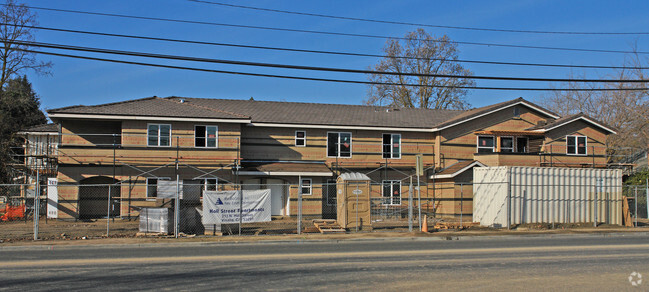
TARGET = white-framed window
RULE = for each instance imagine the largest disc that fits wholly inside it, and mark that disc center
(307, 188)
(522, 145)
(206, 136)
(300, 138)
(486, 144)
(392, 146)
(507, 144)
(576, 145)
(392, 192)
(159, 135)
(152, 186)
(339, 144)
(210, 184)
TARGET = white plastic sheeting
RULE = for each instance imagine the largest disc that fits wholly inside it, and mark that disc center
(546, 195)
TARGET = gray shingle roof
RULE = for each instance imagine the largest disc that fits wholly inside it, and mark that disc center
(569, 119)
(327, 114)
(44, 128)
(151, 106)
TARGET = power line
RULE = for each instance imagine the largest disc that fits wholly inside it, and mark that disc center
(417, 24)
(327, 32)
(316, 68)
(322, 51)
(323, 79)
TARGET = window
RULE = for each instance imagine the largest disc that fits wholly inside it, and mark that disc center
(206, 136)
(391, 145)
(521, 144)
(517, 112)
(392, 192)
(152, 186)
(210, 184)
(300, 138)
(339, 144)
(306, 186)
(485, 144)
(507, 144)
(159, 135)
(576, 145)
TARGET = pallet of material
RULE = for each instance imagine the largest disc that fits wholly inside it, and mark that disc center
(328, 226)
(454, 225)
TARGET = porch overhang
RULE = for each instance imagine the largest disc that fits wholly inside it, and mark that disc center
(510, 133)
(285, 169)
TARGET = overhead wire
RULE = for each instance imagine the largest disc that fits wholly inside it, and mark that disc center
(323, 51)
(323, 79)
(318, 68)
(327, 32)
(415, 24)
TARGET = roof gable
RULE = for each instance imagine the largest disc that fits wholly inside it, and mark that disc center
(571, 119)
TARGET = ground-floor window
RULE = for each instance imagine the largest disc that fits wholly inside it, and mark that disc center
(392, 192)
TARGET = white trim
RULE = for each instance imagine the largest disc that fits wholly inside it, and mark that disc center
(216, 143)
(577, 118)
(285, 173)
(391, 197)
(577, 145)
(475, 163)
(498, 109)
(501, 146)
(159, 136)
(39, 133)
(391, 144)
(304, 138)
(477, 143)
(333, 127)
(145, 118)
(338, 143)
(310, 186)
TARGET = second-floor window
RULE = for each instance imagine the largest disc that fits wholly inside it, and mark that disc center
(206, 136)
(391, 145)
(300, 138)
(576, 145)
(485, 144)
(159, 135)
(339, 144)
(506, 144)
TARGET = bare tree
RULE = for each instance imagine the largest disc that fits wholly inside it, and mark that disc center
(420, 53)
(626, 110)
(16, 19)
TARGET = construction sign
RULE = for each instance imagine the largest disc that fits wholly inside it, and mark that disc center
(226, 207)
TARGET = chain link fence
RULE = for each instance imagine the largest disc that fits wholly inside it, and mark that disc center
(125, 210)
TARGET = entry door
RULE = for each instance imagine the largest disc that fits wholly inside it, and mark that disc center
(277, 196)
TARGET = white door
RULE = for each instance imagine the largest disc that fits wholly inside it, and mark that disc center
(277, 196)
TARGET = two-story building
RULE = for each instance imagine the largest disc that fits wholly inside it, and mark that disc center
(224, 144)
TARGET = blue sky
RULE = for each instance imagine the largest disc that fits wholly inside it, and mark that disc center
(90, 82)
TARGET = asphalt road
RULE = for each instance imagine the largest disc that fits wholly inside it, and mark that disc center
(564, 262)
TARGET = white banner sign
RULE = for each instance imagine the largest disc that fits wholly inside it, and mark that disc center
(224, 207)
(52, 199)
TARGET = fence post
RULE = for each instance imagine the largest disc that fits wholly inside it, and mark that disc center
(299, 205)
(108, 212)
(177, 207)
(461, 203)
(36, 212)
(635, 224)
(646, 194)
(595, 211)
(410, 207)
(509, 199)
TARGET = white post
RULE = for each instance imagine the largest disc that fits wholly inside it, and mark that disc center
(177, 207)
(299, 204)
(36, 212)
(410, 207)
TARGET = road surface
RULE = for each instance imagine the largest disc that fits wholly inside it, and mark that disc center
(565, 262)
